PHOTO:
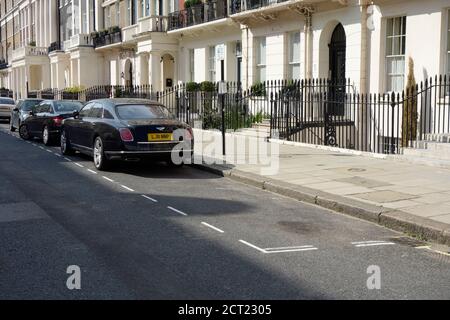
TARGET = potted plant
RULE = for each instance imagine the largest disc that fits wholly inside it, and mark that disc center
(32, 43)
(95, 34)
(194, 10)
(71, 93)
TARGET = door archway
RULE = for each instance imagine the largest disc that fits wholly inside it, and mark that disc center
(128, 73)
(337, 49)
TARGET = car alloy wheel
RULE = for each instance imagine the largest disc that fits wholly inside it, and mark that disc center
(100, 160)
(46, 136)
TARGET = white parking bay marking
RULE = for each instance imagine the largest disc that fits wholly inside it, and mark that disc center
(372, 243)
(177, 211)
(280, 249)
(252, 246)
(126, 188)
(212, 227)
(67, 159)
(149, 198)
(107, 179)
(80, 165)
(91, 171)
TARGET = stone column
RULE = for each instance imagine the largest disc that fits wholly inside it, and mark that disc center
(364, 82)
(155, 70)
(308, 12)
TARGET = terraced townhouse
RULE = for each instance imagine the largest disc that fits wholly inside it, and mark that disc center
(67, 43)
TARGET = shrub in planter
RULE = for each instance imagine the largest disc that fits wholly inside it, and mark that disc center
(207, 86)
(258, 90)
(95, 34)
(192, 87)
(32, 43)
(114, 29)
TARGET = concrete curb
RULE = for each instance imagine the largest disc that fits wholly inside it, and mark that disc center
(421, 228)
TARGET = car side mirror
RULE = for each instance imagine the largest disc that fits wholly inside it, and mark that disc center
(31, 113)
(76, 114)
(16, 109)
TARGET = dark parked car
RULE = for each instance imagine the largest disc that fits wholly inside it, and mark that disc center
(127, 129)
(21, 112)
(46, 118)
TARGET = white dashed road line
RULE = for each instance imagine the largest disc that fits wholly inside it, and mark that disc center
(212, 227)
(79, 165)
(107, 179)
(67, 159)
(91, 171)
(126, 188)
(177, 211)
(149, 198)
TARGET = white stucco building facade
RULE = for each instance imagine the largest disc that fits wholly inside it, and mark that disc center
(67, 43)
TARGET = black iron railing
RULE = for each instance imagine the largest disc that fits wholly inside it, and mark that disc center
(316, 111)
(54, 46)
(209, 11)
(107, 39)
(237, 6)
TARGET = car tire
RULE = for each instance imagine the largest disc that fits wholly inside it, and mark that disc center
(24, 133)
(46, 137)
(66, 148)
(100, 160)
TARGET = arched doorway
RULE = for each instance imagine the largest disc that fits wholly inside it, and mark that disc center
(168, 71)
(337, 49)
(128, 73)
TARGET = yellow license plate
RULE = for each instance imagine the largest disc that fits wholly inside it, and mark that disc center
(159, 137)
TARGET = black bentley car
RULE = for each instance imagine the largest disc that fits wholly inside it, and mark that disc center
(127, 129)
(45, 119)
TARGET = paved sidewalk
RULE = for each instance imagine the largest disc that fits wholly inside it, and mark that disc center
(409, 197)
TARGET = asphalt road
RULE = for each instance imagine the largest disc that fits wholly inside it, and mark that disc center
(146, 231)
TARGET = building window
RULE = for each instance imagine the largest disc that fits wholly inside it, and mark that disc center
(107, 16)
(261, 59)
(192, 65)
(212, 63)
(395, 53)
(294, 55)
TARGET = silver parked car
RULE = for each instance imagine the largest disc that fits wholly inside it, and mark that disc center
(21, 112)
(6, 107)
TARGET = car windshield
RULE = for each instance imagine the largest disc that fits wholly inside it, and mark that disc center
(67, 106)
(27, 105)
(6, 101)
(141, 111)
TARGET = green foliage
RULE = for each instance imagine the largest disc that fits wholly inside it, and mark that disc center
(95, 34)
(32, 43)
(75, 89)
(113, 29)
(207, 86)
(409, 121)
(192, 86)
(191, 3)
(258, 89)
(118, 92)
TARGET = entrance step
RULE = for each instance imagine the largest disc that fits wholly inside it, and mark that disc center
(429, 150)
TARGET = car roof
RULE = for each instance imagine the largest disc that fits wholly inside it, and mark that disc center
(122, 101)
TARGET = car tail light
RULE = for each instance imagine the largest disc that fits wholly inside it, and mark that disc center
(126, 135)
(58, 121)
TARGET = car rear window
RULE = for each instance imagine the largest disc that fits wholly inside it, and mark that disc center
(141, 111)
(27, 105)
(67, 106)
(6, 101)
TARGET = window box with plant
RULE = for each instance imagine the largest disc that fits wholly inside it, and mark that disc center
(194, 10)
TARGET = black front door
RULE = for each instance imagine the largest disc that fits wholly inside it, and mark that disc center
(337, 70)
